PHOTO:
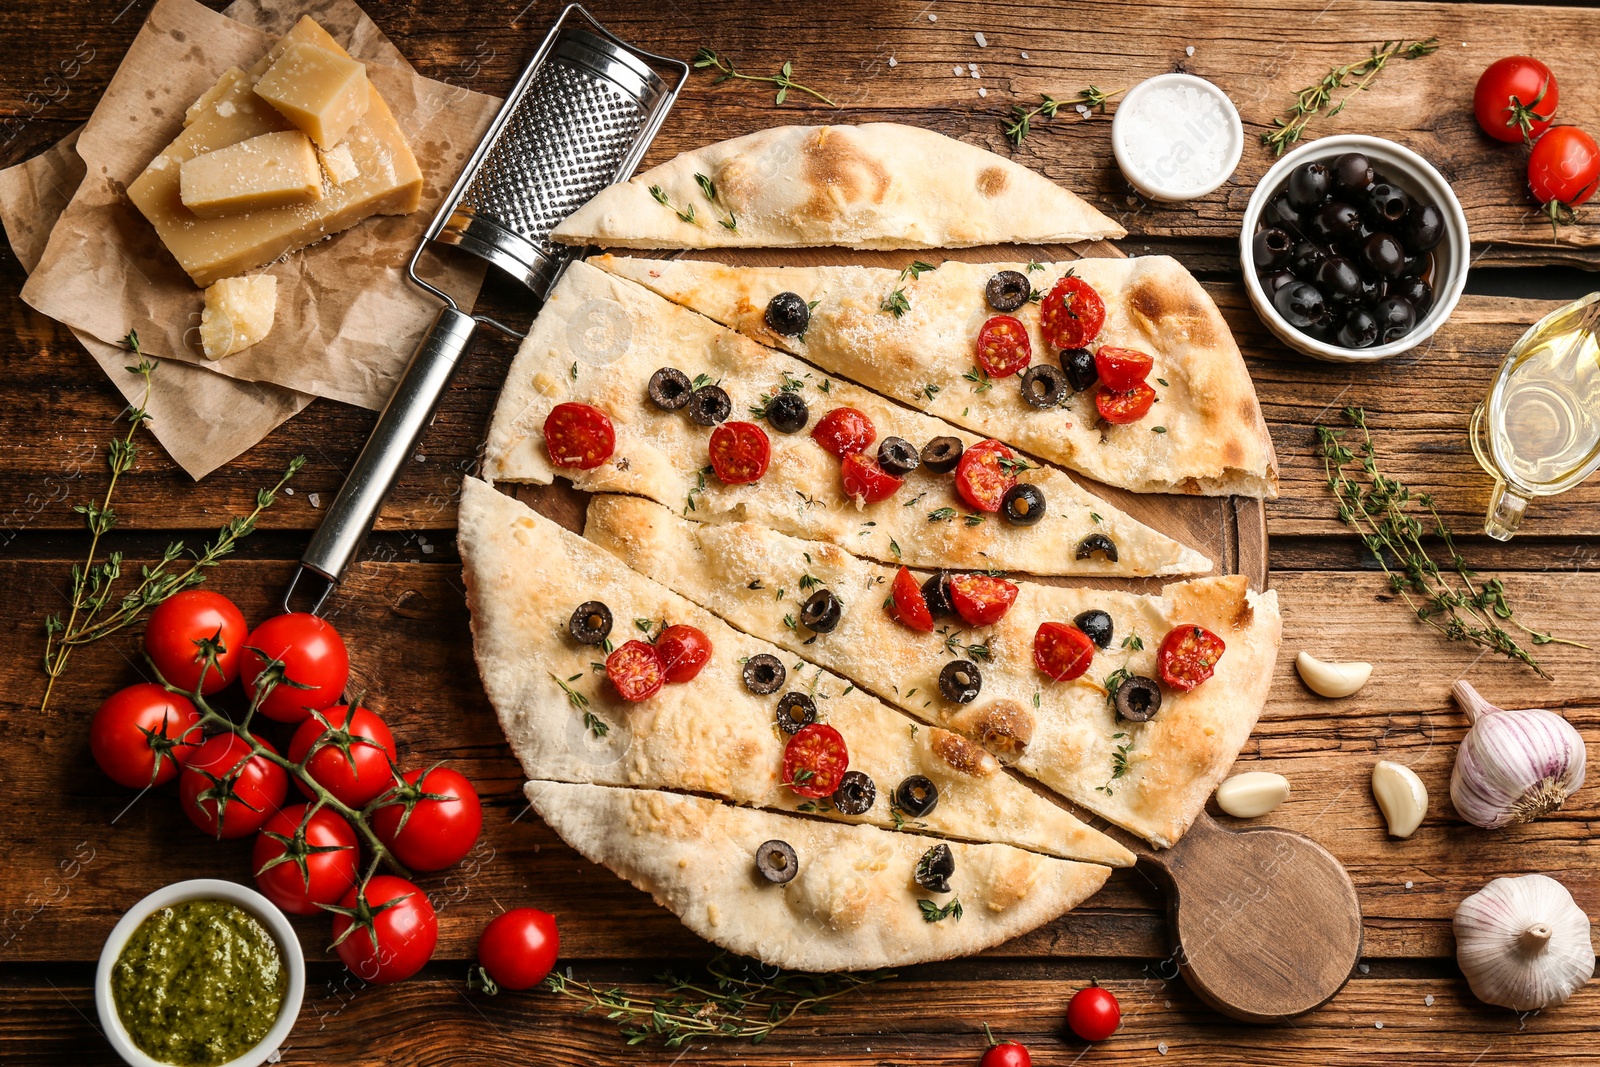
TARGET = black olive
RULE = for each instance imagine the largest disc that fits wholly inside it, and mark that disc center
(1271, 248)
(1308, 184)
(590, 623)
(1336, 222)
(787, 412)
(821, 613)
(1138, 699)
(916, 796)
(1279, 212)
(935, 868)
(1097, 625)
(1276, 280)
(936, 593)
(709, 405)
(788, 314)
(795, 710)
(1352, 173)
(856, 794)
(1023, 504)
(960, 681)
(941, 454)
(1008, 290)
(1339, 278)
(764, 674)
(1359, 329)
(1078, 364)
(1420, 264)
(1415, 290)
(1383, 255)
(1386, 204)
(1306, 260)
(1044, 386)
(1300, 304)
(898, 457)
(1422, 228)
(1395, 317)
(1097, 543)
(670, 388)
(777, 862)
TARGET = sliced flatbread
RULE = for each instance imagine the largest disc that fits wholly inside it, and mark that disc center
(1151, 778)
(598, 340)
(853, 903)
(524, 577)
(1211, 440)
(878, 185)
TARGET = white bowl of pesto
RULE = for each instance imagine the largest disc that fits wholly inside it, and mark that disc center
(203, 973)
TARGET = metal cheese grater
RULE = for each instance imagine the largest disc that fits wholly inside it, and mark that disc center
(578, 119)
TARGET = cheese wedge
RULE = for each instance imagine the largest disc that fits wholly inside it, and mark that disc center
(238, 314)
(322, 93)
(264, 172)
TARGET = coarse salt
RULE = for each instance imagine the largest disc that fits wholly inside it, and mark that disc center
(1024, 55)
(957, 71)
(1176, 136)
(1408, 885)
(892, 62)
(1378, 1025)
(982, 91)
(1161, 1047)
(1364, 968)
(932, 17)
(1428, 1000)
(983, 42)
(1189, 51)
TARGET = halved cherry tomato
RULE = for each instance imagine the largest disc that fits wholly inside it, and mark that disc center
(1125, 407)
(519, 947)
(844, 431)
(227, 790)
(579, 435)
(1003, 346)
(441, 827)
(358, 778)
(814, 761)
(392, 932)
(910, 606)
(981, 478)
(636, 670)
(177, 627)
(127, 735)
(298, 871)
(1188, 656)
(1515, 99)
(684, 650)
(1121, 369)
(313, 655)
(981, 600)
(865, 482)
(1071, 313)
(1063, 652)
(740, 452)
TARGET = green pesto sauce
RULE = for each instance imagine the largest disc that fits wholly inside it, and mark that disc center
(199, 983)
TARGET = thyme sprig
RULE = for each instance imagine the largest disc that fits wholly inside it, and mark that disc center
(1021, 123)
(783, 80)
(1309, 102)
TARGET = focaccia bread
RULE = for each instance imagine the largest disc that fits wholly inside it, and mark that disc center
(877, 185)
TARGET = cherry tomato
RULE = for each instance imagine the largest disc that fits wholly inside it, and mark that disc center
(981, 600)
(864, 481)
(1121, 368)
(1125, 407)
(636, 670)
(299, 869)
(814, 761)
(1563, 167)
(519, 948)
(1188, 656)
(1515, 99)
(844, 431)
(249, 789)
(740, 452)
(910, 606)
(356, 779)
(579, 435)
(1006, 1054)
(1063, 652)
(982, 478)
(178, 626)
(392, 934)
(684, 650)
(126, 735)
(1003, 346)
(442, 826)
(1093, 1013)
(313, 654)
(1071, 313)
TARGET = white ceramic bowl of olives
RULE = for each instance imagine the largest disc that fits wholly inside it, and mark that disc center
(1354, 249)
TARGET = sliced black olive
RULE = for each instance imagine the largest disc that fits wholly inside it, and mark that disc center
(1352, 173)
(1138, 699)
(1097, 543)
(856, 794)
(1422, 228)
(1008, 290)
(1387, 204)
(1023, 504)
(960, 681)
(670, 388)
(1395, 317)
(935, 868)
(1300, 304)
(777, 862)
(709, 405)
(1043, 386)
(1308, 184)
(916, 796)
(788, 314)
(1359, 329)
(1078, 365)
(1383, 255)
(764, 674)
(794, 711)
(936, 592)
(1096, 624)
(590, 623)
(787, 412)
(941, 454)
(821, 613)
(1271, 248)
(898, 457)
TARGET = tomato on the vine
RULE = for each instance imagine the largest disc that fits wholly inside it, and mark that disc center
(1563, 169)
(441, 826)
(227, 790)
(180, 629)
(1093, 1013)
(301, 863)
(519, 948)
(1515, 99)
(355, 779)
(313, 655)
(1188, 656)
(386, 932)
(143, 734)
(684, 652)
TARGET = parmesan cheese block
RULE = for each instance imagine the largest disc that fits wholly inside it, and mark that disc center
(263, 172)
(322, 93)
(339, 164)
(230, 77)
(238, 314)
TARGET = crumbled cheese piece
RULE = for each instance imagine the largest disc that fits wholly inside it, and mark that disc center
(975, 73)
(339, 164)
(983, 42)
(238, 313)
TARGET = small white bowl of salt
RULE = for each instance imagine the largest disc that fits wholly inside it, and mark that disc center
(1176, 137)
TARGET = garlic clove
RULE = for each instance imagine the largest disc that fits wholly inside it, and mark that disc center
(1523, 943)
(1252, 794)
(1401, 797)
(1331, 679)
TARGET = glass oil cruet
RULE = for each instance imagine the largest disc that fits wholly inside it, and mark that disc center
(1537, 433)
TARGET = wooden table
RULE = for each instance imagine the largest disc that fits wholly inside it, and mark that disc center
(76, 854)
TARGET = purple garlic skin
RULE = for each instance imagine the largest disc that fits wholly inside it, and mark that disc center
(1513, 766)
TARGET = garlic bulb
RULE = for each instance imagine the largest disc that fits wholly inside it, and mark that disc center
(1513, 766)
(1523, 943)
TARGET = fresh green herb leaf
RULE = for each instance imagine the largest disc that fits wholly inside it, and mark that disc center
(1310, 101)
(932, 913)
(942, 515)
(979, 379)
(1021, 123)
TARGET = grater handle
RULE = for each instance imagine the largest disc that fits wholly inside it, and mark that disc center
(347, 521)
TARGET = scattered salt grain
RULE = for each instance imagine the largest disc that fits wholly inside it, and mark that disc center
(972, 67)
(420, 458)
(314, 499)
(1161, 1047)
(975, 74)
(982, 91)
(1189, 51)
(1378, 1025)
(1364, 968)
(290, 490)
(1024, 55)
(957, 71)
(1408, 885)
(983, 42)
(1428, 1000)
(427, 549)
(932, 17)
(892, 62)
